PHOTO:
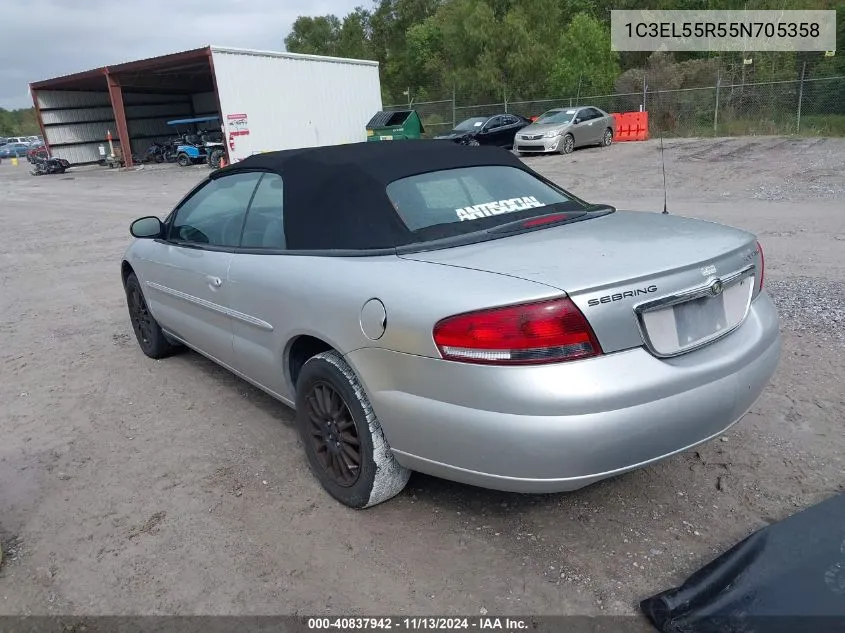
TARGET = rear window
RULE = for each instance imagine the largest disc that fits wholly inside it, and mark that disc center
(557, 116)
(457, 197)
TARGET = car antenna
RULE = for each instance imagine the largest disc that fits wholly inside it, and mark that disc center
(662, 159)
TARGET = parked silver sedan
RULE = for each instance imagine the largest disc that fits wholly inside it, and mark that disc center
(426, 306)
(565, 129)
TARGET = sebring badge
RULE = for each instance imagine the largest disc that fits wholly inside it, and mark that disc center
(708, 270)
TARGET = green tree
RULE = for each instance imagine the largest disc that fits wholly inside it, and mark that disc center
(20, 122)
(355, 36)
(390, 23)
(316, 36)
(530, 34)
(584, 63)
(426, 60)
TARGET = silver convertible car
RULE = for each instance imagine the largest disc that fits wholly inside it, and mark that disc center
(426, 306)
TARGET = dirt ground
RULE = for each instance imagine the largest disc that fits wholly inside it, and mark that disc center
(131, 486)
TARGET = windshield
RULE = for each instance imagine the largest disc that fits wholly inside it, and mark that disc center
(556, 116)
(469, 124)
(458, 201)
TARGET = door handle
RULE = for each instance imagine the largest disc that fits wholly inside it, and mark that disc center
(214, 281)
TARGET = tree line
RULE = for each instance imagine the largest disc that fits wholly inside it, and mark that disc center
(494, 50)
(20, 122)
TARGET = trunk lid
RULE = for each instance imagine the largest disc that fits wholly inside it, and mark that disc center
(610, 265)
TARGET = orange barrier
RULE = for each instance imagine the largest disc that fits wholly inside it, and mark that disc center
(631, 126)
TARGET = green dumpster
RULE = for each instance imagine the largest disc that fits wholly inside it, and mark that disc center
(395, 125)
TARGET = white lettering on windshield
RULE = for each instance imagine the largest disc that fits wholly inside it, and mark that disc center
(496, 208)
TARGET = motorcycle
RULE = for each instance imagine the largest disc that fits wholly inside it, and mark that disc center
(43, 164)
(156, 153)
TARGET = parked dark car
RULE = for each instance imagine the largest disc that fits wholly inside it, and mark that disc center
(497, 129)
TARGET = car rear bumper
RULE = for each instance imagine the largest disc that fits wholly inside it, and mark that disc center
(537, 146)
(561, 427)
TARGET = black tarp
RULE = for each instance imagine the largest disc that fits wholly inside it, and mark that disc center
(788, 577)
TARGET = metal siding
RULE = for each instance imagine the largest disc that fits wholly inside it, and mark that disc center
(138, 98)
(71, 99)
(294, 101)
(205, 102)
(80, 133)
(82, 115)
(76, 154)
(70, 118)
(166, 111)
(147, 127)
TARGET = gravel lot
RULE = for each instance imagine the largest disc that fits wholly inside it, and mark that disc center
(134, 486)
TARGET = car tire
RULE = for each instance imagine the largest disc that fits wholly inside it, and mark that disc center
(148, 333)
(327, 390)
(215, 158)
(567, 144)
(607, 139)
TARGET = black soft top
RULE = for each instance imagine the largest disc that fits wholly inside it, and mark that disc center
(335, 196)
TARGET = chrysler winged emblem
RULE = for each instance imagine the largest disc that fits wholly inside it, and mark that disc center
(716, 287)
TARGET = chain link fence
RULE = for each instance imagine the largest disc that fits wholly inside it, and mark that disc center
(803, 106)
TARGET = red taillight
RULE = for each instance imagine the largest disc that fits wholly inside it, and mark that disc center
(531, 333)
(762, 263)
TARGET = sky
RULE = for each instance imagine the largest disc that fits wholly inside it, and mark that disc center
(47, 38)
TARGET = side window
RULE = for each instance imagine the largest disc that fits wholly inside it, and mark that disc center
(214, 215)
(593, 114)
(264, 227)
(495, 122)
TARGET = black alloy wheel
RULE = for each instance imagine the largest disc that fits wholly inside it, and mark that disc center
(344, 443)
(333, 435)
(151, 338)
(142, 320)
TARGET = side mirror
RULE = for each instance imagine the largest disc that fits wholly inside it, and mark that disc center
(149, 227)
(578, 120)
